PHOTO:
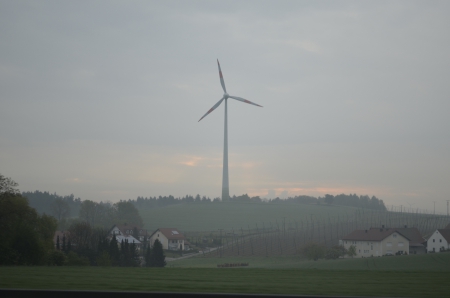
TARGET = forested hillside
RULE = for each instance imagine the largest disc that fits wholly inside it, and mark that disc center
(352, 200)
(44, 202)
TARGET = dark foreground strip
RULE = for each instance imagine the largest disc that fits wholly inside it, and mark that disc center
(12, 293)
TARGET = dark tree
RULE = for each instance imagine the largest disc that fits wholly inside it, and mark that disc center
(157, 255)
(8, 186)
(64, 243)
(148, 256)
(114, 251)
(26, 236)
(57, 243)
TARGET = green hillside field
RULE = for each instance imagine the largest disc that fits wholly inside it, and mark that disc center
(438, 262)
(236, 215)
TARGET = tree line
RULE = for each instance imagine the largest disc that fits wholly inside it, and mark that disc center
(68, 206)
(92, 246)
(352, 200)
(27, 237)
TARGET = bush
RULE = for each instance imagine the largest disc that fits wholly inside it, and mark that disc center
(104, 260)
(335, 252)
(313, 251)
(74, 260)
(56, 258)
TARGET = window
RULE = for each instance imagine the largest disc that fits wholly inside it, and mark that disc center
(433, 240)
(395, 235)
(400, 244)
(440, 240)
(389, 244)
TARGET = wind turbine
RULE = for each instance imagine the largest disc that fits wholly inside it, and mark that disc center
(225, 184)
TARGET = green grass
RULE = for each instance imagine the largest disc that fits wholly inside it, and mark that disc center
(214, 216)
(236, 280)
(427, 262)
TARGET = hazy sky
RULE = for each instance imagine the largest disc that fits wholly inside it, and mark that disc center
(101, 98)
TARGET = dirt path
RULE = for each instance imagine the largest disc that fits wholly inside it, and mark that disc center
(190, 255)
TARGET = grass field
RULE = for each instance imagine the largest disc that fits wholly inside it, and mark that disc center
(214, 216)
(428, 262)
(227, 280)
(400, 276)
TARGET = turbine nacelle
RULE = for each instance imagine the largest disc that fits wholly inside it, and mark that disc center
(226, 95)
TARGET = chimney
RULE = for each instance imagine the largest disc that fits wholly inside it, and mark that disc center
(366, 231)
(382, 226)
(406, 226)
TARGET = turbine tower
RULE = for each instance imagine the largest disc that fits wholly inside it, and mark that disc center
(225, 184)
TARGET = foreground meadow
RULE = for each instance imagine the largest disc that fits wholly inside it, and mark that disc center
(355, 277)
(267, 281)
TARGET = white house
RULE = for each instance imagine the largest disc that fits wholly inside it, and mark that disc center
(127, 230)
(376, 242)
(121, 236)
(439, 240)
(170, 238)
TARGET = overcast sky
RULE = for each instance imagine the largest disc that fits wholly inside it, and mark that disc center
(101, 98)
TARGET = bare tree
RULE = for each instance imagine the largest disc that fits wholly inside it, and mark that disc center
(90, 212)
(7, 185)
(60, 209)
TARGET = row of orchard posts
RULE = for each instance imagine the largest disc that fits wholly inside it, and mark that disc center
(286, 237)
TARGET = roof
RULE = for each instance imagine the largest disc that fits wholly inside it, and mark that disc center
(412, 234)
(369, 235)
(124, 228)
(130, 239)
(445, 233)
(170, 233)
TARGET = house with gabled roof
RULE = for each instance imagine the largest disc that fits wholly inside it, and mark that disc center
(417, 243)
(129, 230)
(376, 242)
(439, 240)
(170, 238)
(125, 235)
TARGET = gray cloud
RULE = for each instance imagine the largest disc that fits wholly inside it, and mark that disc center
(355, 94)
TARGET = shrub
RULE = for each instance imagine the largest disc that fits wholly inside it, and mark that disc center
(56, 258)
(313, 251)
(335, 252)
(74, 260)
(104, 259)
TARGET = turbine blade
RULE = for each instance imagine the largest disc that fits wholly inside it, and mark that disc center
(212, 109)
(222, 82)
(244, 100)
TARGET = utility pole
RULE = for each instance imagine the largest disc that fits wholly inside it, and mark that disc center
(221, 244)
(447, 207)
(434, 204)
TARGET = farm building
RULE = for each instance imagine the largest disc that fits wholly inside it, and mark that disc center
(439, 241)
(170, 238)
(417, 244)
(376, 242)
